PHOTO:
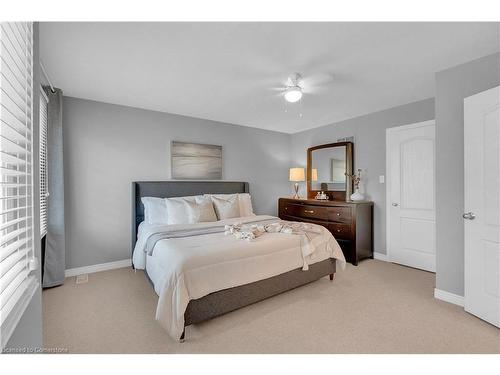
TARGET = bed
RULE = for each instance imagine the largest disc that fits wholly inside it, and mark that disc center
(237, 273)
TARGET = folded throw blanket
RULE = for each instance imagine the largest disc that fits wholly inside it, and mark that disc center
(250, 232)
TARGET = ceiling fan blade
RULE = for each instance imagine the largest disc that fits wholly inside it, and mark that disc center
(318, 79)
(318, 89)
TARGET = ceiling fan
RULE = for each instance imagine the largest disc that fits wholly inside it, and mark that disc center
(297, 85)
(293, 91)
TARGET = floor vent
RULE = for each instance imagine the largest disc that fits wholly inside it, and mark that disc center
(82, 279)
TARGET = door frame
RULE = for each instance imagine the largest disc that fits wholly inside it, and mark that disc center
(388, 133)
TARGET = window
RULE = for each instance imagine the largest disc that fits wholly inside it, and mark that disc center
(17, 282)
(44, 192)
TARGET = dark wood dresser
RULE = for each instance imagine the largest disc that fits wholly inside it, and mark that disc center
(351, 223)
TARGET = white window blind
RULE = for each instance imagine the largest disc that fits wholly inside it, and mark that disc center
(44, 192)
(17, 282)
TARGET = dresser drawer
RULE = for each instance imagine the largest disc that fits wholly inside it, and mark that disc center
(342, 214)
(340, 230)
(307, 211)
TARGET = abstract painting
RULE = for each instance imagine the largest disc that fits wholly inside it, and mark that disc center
(194, 161)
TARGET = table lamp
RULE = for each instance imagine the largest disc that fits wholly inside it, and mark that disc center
(297, 175)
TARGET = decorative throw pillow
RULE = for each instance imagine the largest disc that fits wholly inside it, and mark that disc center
(245, 201)
(226, 206)
(202, 209)
(155, 210)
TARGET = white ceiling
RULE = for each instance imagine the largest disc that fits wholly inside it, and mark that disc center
(227, 71)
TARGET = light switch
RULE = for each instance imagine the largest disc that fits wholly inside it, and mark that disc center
(381, 179)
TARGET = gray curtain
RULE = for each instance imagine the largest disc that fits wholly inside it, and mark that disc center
(55, 246)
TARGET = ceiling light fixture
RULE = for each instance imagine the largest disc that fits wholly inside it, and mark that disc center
(293, 94)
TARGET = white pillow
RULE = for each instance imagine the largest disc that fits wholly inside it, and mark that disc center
(178, 211)
(226, 206)
(190, 210)
(245, 201)
(155, 210)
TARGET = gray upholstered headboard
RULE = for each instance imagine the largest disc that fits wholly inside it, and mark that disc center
(167, 189)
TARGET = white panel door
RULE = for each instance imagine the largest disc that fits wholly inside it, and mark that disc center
(482, 205)
(411, 203)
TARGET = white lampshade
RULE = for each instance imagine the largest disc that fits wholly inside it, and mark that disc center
(314, 174)
(297, 174)
(293, 94)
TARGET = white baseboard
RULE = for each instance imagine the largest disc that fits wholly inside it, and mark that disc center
(380, 256)
(98, 267)
(448, 297)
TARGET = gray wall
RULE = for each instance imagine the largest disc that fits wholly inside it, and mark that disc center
(107, 146)
(452, 86)
(369, 150)
(28, 333)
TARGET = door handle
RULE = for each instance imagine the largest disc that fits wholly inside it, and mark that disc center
(469, 216)
(395, 204)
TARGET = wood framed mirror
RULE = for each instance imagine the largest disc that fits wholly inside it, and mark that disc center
(327, 166)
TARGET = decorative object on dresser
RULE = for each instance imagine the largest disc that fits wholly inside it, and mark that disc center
(356, 179)
(297, 175)
(321, 196)
(351, 223)
(327, 168)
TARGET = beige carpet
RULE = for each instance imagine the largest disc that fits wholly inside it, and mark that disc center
(377, 307)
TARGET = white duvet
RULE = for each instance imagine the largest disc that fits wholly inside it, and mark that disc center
(192, 267)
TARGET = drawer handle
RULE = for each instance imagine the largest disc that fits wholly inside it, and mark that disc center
(338, 214)
(338, 231)
(309, 211)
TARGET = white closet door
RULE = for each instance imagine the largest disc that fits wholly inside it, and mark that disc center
(482, 205)
(411, 203)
